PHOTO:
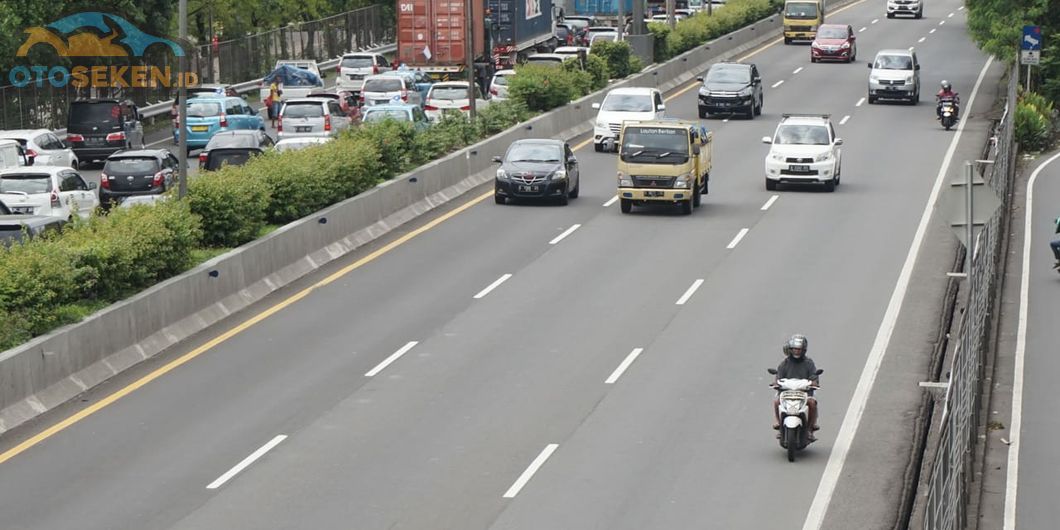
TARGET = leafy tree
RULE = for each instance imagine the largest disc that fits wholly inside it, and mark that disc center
(997, 26)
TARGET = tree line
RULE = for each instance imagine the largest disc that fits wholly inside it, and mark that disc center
(997, 27)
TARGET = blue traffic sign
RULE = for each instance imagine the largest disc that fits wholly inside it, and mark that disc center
(1032, 38)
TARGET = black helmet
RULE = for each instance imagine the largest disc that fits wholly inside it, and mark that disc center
(797, 343)
(945, 85)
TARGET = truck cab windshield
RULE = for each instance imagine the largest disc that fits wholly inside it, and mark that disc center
(653, 145)
(800, 10)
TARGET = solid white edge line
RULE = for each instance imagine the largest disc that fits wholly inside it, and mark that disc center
(611, 201)
(770, 202)
(736, 240)
(848, 429)
(565, 233)
(860, 101)
(622, 367)
(393, 357)
(691, 290)
(778, 83)
(529, 473)
(246, 462)
(1016, 421)
(844, 120)
(492, 286)
(922, 39)
(797, 70)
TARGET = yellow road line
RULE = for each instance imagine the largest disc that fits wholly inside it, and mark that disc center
(132, 387)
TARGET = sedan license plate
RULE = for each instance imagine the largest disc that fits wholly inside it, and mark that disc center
(530, 189)
(26, 210)
(200, 128)
(653, 194)
(308, 128)
(799, 168)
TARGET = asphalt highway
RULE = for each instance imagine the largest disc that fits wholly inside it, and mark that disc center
(490, 374)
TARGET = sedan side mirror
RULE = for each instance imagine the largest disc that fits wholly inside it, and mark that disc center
(839, 141)
(596, 105)
(767, 140)
(772, 370)
(498, 160)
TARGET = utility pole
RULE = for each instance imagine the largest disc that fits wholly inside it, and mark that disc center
(671, 17)
(469, 59)
(182, 102)
(621, 17)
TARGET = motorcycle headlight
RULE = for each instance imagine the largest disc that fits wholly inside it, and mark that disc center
(559, 174)
(827, 155)
(624, 181)
(792, 406)
(502, 175)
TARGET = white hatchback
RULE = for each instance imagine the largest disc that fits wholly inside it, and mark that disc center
(43, 147)
(623, 104)
(499, 84)
(804, 150)
(48, 190)
(450, 97)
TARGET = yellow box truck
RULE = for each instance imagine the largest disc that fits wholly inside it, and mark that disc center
(801, 19)
(663, 161)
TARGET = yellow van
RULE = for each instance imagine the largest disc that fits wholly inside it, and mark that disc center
(801, 19)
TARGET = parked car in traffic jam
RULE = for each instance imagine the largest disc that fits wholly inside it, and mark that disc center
(311, 117)
(234, 148)
(15, 228)
(208, 116)
(48, 190)
(136, 172)
(398, 112)
(43, 147)
(537, 169)
(98, 128)
(450, 97)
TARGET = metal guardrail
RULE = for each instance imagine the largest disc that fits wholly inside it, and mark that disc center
(948, 490)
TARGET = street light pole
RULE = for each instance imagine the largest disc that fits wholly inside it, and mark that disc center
(470, 60)
(182, 102)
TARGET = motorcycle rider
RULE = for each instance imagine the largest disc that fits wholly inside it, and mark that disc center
(796, 365)
(1055, 245)
(946, 93)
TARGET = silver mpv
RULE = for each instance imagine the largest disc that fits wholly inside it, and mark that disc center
(311, 117)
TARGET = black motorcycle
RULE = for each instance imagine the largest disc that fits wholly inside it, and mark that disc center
(947, 111)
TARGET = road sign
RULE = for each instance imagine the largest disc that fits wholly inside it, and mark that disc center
(953, 206)
(1032, 38)
(1030, 57)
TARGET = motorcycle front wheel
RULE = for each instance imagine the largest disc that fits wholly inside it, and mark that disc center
(791, 440)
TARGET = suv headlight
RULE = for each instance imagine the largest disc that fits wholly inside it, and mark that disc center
(559, 174)
(746, 91)
(777, 156)
(624, 181)
(704, 92)
(502, 175)
(874, 79)
(827, 155)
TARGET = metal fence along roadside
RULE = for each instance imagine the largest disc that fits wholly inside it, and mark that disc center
(237, 61)
(948, 486)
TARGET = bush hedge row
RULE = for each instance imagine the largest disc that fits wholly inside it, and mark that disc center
(700, 28)
(1033, 121)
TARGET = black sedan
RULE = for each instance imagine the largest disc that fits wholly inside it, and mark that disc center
(14, 227)
(537, 168)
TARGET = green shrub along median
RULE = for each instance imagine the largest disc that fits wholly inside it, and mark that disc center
(1034, 129)
(700, 28)
(61, 278)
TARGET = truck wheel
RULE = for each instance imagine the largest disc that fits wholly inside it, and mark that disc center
(626, 205)
(599, 148)
(787, 40)
(697, 199)
(830, 185)
(686, 207)
(771, 185)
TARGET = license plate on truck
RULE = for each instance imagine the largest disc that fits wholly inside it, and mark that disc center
(653, 194)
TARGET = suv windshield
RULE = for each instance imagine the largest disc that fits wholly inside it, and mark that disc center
(383, 85)
(832, 33)
(893, 62)
(203, 109)
(131, 166)
(627, 103)
(800, 10)
(728, 74)
(802, 135)
(666, 145)
(26, 183)
(357, 62)
(106, 113)
(535, 153)
(303, 110)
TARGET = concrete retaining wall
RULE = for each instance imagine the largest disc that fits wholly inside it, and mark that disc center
(54, 368)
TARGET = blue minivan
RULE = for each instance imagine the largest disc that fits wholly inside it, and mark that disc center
(209, 115)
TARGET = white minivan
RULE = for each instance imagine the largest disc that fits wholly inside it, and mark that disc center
(12, 155)
(621, 104)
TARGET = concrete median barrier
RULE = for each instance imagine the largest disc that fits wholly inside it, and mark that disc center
(54, 368)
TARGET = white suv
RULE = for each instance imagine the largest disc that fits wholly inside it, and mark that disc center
(905, 7)
(622, 104)
(354, 67)
(804, 150)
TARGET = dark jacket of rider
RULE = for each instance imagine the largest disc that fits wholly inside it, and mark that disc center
(791, 368)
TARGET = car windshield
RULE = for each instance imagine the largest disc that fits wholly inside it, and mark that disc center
(235, 157)
(131, 166)
(448, 92)
(383, 85)
(203, 109)
(232, 140)
(94, 113)
(729, 74)
(382, 115)
(893, 62)
(576, 22)
(26, 183)
(655, 145)
(800, 10)
(832, 33)
(611, 36)
(500, 80)
(303, 110)
(627, 103)
(802, 135)
(529, 152)
(357, 62)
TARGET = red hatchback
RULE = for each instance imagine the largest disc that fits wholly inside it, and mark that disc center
(834, 42)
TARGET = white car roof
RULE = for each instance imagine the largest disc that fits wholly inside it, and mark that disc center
(569, 49)
(22, 133)
(555, 56)
(50, 170)
(504, 72)
(450, 84)
(305, 140)
(895, 51)
(805, 120)
(635, 91)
